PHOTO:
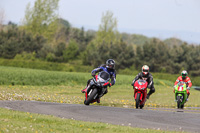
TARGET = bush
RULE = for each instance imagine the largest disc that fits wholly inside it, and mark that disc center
(44, 65)
(195, 73)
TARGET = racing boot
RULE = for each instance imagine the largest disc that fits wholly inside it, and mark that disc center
(148, 96)
(188, 93)
(98, 100)
(150, 92)
(187, 97)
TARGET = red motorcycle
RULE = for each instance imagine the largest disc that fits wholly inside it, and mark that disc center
(140, 93)
(97, 87)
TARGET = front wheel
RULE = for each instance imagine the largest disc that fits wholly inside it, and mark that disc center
(141, 106)
(179, 101)
(137, 100)
(91, 97)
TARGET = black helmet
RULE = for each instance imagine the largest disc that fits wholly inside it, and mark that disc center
(110, 63)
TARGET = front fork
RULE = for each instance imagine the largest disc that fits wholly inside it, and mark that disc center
(141, 95)
(87, 91)
(181, 95)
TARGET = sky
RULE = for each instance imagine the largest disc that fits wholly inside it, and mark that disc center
(152, 18)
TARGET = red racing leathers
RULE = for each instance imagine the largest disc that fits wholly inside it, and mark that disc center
(186, 80)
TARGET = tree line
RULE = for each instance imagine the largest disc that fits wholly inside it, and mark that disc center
(45, 36)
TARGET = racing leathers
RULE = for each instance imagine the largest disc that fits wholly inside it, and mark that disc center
(112, 73)
(149, 78)
(187, 81)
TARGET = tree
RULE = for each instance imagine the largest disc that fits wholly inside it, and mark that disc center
(123, 54)
(91, 55)
(107, 32)
(15, 41)
(106, 37)
(41, 19)
(71, 51)
(2, 17)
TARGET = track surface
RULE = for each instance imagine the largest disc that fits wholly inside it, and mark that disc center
(163, 119)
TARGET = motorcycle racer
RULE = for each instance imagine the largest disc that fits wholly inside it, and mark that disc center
(146, 75)
(186, 79)
(108, 67)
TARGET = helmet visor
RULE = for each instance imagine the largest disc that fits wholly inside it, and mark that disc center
(111, 66)
(145, 70)
(184, 75)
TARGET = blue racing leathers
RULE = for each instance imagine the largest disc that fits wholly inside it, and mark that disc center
(112, 73)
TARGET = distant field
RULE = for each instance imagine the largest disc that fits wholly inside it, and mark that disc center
(77, 66)
(25, 76)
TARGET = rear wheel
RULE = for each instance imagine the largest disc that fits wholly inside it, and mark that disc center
(137, 100)
(91, 97)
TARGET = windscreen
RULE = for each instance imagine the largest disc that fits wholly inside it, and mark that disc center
(141, 82)
(181, 83)
(104, 75)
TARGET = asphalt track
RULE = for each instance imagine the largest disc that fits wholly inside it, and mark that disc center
(151, 118)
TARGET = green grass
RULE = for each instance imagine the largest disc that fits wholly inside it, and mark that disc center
(73, 66)
(117, 96)
(25, 122)
(77, 66)
(25, 76)
(65, 87)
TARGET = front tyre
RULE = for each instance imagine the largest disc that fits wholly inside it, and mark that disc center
(179, 100)
(141, 106)
(137, 100)
(91, 97)
(182, 106)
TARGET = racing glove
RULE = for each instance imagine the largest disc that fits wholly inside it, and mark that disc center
(93, 74)
(133, 83)
(188, 88)
(174, 86)
(109, 84)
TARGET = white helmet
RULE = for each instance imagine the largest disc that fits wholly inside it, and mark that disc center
(145, 69)
(184, 74)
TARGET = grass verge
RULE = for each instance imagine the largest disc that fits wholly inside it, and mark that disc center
(117, 96)
(25, 122)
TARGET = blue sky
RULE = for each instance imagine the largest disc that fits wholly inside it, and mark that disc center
(153, 18)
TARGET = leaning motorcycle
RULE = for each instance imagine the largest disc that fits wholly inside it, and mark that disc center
(97, 87)
(140, 93)
(180, 94)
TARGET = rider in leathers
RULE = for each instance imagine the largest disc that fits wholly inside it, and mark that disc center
(145, 75)
(108, 67)
(185, 79)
